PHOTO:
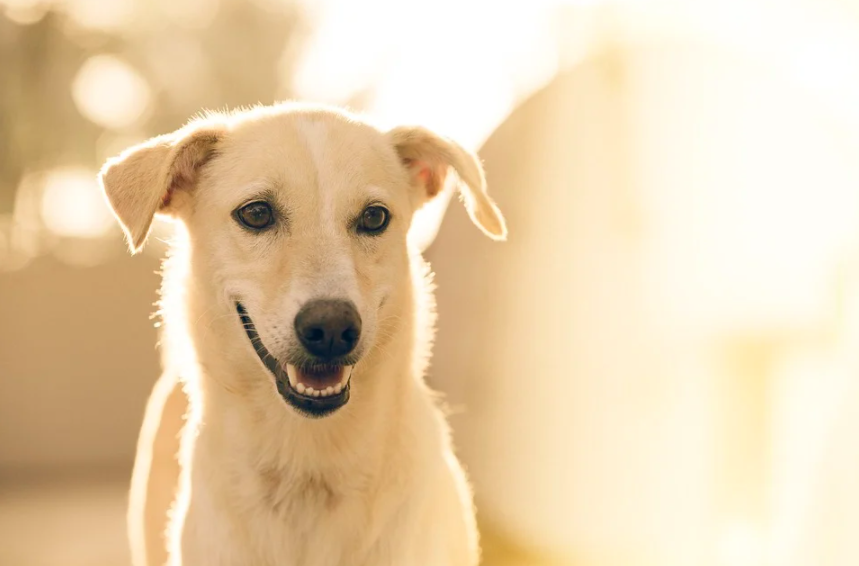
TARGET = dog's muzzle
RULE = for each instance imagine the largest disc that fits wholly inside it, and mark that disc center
(314, 389)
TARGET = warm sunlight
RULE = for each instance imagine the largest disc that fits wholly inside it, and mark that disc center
(660, 367)
(742, 545)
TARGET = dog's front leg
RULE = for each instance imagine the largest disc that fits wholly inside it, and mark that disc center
(156, 472)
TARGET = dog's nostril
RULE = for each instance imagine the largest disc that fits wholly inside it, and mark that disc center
(350, 335)
(315, 335)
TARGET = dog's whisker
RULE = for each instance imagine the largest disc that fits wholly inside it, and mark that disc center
(205, 312)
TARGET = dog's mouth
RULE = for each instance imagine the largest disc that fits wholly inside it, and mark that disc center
(313, 389)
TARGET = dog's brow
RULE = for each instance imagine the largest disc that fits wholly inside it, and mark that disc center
(261, 193)
(258, 187)
(374, 192)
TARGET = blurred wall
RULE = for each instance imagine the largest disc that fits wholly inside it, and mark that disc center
(627, 371)
(77, 361)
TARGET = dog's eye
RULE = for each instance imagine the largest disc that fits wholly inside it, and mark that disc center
(256, 215)
(374, 219)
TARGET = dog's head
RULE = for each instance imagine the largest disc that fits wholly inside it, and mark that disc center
(297, 219)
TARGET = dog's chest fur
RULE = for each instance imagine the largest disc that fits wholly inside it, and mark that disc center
(289, 517)
(304, 520)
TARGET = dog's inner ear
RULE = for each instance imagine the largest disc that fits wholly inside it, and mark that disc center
(428, 176)
(154, 177)
(429, 157)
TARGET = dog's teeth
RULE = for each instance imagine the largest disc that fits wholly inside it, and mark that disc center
(309, 391)
(347, 373)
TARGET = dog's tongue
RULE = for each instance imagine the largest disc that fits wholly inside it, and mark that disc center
(322, 378)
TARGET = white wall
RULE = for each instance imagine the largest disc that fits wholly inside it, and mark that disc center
(679, 221)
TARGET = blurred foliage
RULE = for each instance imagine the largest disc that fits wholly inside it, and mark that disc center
(243, 55)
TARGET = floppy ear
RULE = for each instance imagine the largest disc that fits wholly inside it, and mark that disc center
(429, 157)
(146, 179)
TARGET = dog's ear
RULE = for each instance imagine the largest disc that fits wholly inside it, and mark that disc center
(429, 157)
(151, 177)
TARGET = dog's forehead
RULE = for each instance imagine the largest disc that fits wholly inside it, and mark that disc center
(300, 151)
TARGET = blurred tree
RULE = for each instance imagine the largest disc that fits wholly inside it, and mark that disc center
(39, 124)
(204, 54)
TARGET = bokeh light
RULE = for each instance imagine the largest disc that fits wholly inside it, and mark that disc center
(25, 12)
(73, 205)
(101, 15)
(108, 91)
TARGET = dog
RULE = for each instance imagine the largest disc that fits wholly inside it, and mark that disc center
(299, 316)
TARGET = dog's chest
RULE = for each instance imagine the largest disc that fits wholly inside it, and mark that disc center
(308, 520)
(316, 529)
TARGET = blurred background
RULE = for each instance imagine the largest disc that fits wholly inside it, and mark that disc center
(659, 368)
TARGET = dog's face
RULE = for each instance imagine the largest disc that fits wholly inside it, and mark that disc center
(303, 221)
(297, 219)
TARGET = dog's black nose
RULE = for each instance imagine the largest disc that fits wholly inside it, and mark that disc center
(328, 328)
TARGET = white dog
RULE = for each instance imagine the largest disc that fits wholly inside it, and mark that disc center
(300, 320)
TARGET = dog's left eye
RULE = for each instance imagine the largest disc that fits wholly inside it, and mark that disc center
(374, 219)
(256, 215)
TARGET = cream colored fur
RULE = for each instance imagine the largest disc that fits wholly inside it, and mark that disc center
(375, 483)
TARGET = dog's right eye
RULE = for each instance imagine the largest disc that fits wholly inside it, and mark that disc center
(255, 216)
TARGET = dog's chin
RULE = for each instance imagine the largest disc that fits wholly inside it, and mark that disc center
(313, 389)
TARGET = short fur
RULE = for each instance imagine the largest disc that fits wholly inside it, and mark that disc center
(375, 483)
